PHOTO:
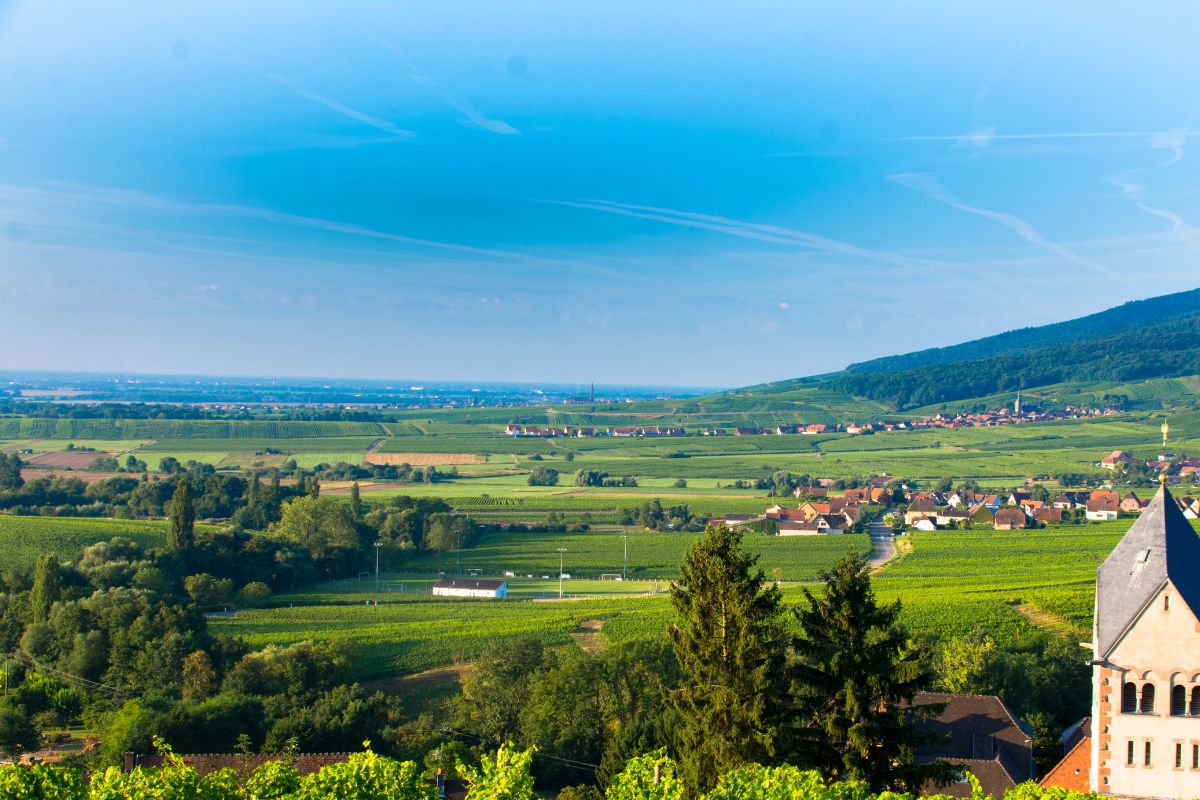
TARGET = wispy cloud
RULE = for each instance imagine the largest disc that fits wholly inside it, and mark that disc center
(981, 137)
(343, 109)
(773, 234)
(1136, 192)
(126, 199)
(929, 186)
(471, 115)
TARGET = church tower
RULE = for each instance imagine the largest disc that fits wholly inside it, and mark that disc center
(1146, 663)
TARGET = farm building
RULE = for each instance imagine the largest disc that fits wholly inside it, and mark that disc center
(470, 587)
(1132, 504)
(1009, 519)
(1046, 515)
(1116, 459)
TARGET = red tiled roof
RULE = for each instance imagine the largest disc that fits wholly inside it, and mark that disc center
(1074, 772)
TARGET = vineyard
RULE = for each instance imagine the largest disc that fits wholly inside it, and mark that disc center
(651, 555)
(23, 539)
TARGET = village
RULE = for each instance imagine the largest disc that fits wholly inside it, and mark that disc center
(980, 419)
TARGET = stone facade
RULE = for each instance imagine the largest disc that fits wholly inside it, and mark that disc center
(1145, 740)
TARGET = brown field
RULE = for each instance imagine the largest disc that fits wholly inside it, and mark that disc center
(343, 487)
(66, 459)
(86, 477)
(425, 459)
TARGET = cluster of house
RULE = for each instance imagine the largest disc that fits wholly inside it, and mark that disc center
(1165, 464)
(818, 515)
(537, 431)
(1017, 510)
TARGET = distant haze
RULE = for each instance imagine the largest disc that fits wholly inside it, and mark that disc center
(711, 194)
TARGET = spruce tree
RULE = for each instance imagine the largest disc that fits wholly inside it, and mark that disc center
(355, 501)
(855, 674)
(47, 588)
(730, 646)
(181, 535)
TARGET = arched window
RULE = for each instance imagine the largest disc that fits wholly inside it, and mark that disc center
(1178, 700)
(1129, 698)
(1147, 704)
(1194, 708)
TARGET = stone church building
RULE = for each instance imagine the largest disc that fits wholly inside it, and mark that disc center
(1145, 730)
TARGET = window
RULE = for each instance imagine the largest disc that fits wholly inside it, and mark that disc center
(1178, 756)
(1178, 700)
(1129, 754)
(1194, 707)
(1147, 706)
(1146, 761)
(1166, 602)
(1196, 756)
(1129, 698)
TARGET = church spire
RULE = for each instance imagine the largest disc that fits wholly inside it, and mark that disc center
(1160, 547)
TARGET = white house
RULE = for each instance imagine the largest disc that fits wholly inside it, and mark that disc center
(470, 587)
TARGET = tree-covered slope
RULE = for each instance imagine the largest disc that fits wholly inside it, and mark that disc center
(1103, 325)
(1150, 351)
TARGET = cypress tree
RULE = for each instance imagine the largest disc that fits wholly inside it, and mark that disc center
(855, 673)
(314, 487)
(730, 646)
(355, 501)
(47, 588)
(181, 535)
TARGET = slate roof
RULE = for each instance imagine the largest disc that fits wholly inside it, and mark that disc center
(1160, 546)
(980, 734)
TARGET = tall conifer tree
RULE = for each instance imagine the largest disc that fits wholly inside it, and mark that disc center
(855, 674)
(355, 501)
(182, 535)
(47, 588)
(730, 646)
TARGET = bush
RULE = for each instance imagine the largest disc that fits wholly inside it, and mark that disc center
(254, 593)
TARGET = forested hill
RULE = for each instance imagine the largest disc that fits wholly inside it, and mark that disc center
(1166, 349)
(1103, 325)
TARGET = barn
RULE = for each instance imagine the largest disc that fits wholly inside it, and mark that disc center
(470, 587)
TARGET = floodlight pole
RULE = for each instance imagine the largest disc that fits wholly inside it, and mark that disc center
(378, 544)
(561, 550)
(458, 552)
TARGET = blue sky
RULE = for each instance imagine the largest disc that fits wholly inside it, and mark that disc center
(698, 194)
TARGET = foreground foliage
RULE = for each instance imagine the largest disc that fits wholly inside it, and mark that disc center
(368, 776)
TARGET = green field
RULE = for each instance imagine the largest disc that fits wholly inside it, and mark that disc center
(997, 455)
(952, 583)
(651, 555)
(23, 539)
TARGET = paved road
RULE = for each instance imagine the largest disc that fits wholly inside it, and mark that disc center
(883, 545)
